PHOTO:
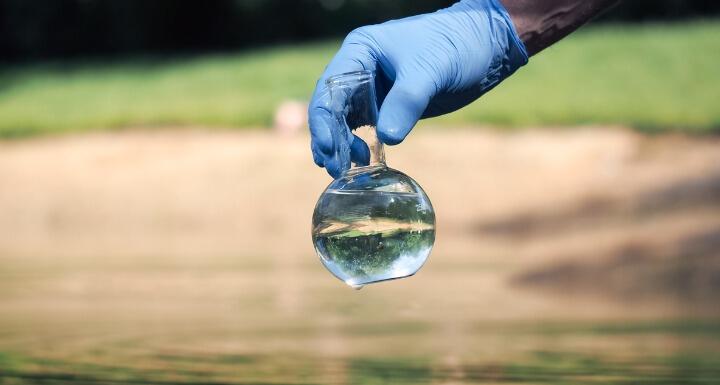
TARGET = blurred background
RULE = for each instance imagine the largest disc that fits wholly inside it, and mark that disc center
(156, 191)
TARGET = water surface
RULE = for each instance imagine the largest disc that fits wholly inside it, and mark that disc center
(258, 321)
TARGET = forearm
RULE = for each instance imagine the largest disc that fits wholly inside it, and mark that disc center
(540, 23)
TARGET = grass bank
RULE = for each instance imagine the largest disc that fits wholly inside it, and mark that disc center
(653, 77)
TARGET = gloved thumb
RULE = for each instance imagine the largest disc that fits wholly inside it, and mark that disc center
(402, 108)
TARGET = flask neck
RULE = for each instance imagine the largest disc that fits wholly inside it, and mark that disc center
(353, 104)
(368, 134)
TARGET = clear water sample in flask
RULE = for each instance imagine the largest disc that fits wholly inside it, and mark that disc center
(373, 223)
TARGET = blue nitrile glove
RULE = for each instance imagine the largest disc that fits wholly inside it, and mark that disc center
(426, 65)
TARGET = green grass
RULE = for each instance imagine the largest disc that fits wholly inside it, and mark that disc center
(653, 77)
(650, 77)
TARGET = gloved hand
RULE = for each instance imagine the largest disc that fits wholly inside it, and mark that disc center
(425, 66)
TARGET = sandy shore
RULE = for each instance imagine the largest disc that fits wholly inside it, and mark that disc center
(555, 211)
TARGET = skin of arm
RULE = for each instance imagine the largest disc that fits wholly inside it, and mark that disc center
(541, 23)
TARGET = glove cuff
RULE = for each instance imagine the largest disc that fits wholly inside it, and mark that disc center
(517, 53)
(497, 31)
(514, 54)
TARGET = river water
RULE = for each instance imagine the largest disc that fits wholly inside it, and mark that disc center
(256, 320)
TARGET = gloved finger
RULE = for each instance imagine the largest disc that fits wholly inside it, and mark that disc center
(334, 166)
(338, 161)
(351, 57)
(355, 54)
(359, 151)
(318, 158)
(402, 108)
(321, 121)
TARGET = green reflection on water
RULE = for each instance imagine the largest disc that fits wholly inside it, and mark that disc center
(689, 355)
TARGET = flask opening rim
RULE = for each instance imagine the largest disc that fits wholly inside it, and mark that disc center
(351, 77)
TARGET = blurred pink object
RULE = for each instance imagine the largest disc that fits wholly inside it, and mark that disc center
(290, 117)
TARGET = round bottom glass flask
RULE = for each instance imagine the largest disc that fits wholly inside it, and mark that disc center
(373, 223)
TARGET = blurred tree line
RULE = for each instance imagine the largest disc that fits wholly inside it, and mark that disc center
(41, 29)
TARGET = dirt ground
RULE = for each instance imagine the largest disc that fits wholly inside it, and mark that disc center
(594, 212)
